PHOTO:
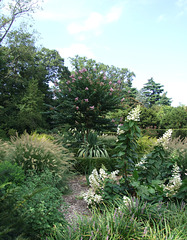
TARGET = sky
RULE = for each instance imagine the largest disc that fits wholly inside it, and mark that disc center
(149, 37)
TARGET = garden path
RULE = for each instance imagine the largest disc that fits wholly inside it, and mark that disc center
(76, 205)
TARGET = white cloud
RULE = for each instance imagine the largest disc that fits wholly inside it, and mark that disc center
(114, 14)
(181, 3)
(95, 21)
(160, 18)
(76, 49)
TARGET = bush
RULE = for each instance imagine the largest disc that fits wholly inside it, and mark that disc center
(10, 172)
(108, 140)
(145, 145)
(32, 209)
(178, 153)
(35, 152)
(86, 165)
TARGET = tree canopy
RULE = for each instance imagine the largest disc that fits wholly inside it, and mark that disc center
(153, 93)
(12, 11)
(85, 99)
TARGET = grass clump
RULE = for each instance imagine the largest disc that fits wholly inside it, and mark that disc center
(35, 152)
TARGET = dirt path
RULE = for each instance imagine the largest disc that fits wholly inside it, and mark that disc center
(76, 205)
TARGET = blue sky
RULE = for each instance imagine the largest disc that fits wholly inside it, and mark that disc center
(149, 37)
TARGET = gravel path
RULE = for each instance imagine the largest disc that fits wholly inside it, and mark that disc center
(76, 205)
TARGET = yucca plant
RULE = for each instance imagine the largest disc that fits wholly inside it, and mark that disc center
(34, 152)
(91, 148)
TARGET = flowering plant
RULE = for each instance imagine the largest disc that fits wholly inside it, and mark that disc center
(99, 187)
(128, 134)
(174, 183)
(134, 114)
(165, 139)
(84, 100)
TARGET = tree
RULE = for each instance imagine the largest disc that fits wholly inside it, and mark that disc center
(121, 76)
(85, 99)
(175, 118)
(15, 10)
(31, 108)
(22, 63)
(153, 94)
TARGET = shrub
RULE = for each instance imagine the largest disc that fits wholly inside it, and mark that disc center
(108, 140)
(86, 165)
(34, 152)
(178, 153)
(145, 145)
(32, 209)
(10, 172)
(41, 211)
(104, 188)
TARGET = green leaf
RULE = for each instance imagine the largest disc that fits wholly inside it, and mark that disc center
(135, 175)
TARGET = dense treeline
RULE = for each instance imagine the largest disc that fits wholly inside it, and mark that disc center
(32, 81)
(37, 90)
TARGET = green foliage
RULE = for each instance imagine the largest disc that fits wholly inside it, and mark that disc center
(31, 209)
(145, 145)
(112, 191)
(86, 165)
(115, 74)
(41, 212)
(152, 92)
(30, 107)
(157, 176)
(10, 172)
(156, 166)
(178, 153)
(33, 152)
(91, 148)
(84, 100)
(127, 146)
(137, 220)
(148, 121)
(25, 74)
(182, 192)
(108, 140)
(176, 118)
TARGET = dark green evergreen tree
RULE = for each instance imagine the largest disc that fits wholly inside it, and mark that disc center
(153, 93)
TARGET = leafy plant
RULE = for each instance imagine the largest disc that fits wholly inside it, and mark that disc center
(86, 165)
(105, 188)
(91, 148)
(41, 210)
(145, 145)
(10, 172)
(178, 153)
(155, 166)
(128, 135)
